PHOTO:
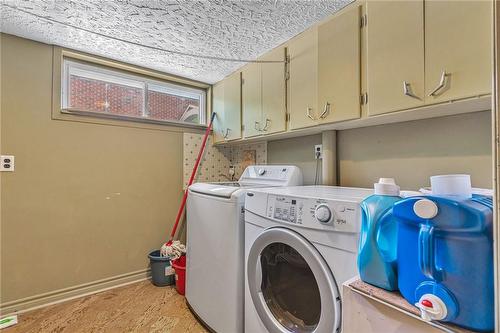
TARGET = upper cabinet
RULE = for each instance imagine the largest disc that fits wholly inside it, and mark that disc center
(384, 56)
(218, 108)
(339, 67)
(252, 99)
(264, 95)
(303, 53)
(395, 55)
(232, 107)
(227, 105)
(273, 91)
(426, 52)
(458, 48)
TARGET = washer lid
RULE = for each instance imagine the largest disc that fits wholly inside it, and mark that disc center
(291, 285)
(224, 190)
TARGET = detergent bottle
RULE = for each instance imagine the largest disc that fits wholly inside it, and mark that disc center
(377, 257)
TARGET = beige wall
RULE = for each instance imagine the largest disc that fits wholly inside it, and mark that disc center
(86, 201)
(296, 151)
(410, 151)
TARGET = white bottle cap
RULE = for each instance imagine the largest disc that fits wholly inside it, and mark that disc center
(458, 185)
(386, 186)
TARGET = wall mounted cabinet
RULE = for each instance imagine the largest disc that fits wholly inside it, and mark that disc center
(252, 99)
(426, 52)
(401, 60)
(273, 92)
(458, 49)
(227, 105)
(395, 55)
(339, 67)
(303, 52)
(218, 108)
(263, 97)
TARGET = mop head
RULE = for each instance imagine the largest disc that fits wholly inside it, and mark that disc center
(174, 250)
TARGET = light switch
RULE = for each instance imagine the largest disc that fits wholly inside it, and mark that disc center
(6, 163)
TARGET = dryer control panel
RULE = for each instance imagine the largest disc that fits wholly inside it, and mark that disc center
(271, 175)
(339, 215)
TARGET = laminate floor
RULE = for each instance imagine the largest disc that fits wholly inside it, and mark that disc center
(138, 307)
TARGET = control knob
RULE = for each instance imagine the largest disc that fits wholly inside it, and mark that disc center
(261, 171)
(323, 213)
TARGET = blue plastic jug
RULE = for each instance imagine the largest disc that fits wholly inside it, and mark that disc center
(445, 258)
(378, 237)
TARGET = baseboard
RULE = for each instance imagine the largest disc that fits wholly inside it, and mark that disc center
(66, 294)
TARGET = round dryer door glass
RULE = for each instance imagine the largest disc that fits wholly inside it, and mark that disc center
(289, 288)
(290, 284)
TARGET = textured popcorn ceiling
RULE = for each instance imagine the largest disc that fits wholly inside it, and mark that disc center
(231, 29)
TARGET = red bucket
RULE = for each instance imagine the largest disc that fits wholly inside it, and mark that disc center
(180, 274)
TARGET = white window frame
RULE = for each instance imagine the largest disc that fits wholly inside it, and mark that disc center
(98, 72)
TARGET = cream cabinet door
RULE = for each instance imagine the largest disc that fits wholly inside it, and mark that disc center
(458, 49)
(339, 66)
(252, 99)
(273, 92)
(218, 108)
(395, 55)
(232, 107)
(303, 52)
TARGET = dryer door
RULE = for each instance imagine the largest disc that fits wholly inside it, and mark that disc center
(291, 285)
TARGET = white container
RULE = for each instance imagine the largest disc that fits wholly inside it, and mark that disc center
(458, 185)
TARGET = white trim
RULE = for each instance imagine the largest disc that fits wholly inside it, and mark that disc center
(495, 124)
(191, 110)
(62, 295)
(176, 90)
(95, 73)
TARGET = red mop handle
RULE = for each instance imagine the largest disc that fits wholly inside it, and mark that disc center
(193, 174)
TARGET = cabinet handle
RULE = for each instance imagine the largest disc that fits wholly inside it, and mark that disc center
(441, 85)
(407, 90)
(226, 135)
(308, 113)
(257, 126)
(325, 111)
(268, 121)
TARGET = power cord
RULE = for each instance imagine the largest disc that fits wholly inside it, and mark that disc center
(316, 176)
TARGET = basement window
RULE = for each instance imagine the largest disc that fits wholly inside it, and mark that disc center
(95, 90)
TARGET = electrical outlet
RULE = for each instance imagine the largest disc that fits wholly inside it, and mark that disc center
(6, 163)
(318, 151)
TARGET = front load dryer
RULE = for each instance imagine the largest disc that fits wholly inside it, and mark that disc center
(215, 244)
(300, 246)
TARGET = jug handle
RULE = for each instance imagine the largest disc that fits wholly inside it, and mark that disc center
(426, 253)
(381, 221)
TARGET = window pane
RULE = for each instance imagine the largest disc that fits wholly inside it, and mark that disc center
(108, 91)
(87, 94)
(165, 106)
(123, 100)
(105, 93)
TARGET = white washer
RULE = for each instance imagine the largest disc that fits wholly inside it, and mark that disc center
(215, 244)
(301, 244)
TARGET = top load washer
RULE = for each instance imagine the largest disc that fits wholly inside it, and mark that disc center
(301, 244)
(215, 244)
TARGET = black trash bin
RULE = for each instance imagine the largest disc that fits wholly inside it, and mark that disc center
(162, 273)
